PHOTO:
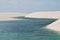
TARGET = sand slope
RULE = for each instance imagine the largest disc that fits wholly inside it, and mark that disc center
(54, 26)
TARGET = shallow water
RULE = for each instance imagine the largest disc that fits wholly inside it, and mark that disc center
(27, 29)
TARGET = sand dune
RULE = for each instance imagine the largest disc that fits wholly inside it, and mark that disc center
(54, 14)
(6, 16)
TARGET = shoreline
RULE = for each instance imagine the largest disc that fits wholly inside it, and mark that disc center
(55, 26)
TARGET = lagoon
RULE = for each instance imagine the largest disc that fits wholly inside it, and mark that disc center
(27, 29)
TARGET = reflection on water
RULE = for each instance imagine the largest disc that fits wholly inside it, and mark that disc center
(28, 29)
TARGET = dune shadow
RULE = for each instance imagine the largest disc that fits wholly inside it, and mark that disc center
(22, 17)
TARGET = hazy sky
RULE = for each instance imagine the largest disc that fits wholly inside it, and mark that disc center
(29, 5)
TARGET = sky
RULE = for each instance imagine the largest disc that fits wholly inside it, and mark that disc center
(28, 6)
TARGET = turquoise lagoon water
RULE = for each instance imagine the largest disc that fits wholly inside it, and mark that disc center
(27, 29)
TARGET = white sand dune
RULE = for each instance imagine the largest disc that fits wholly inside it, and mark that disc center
(54, 15)
(7, 16)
